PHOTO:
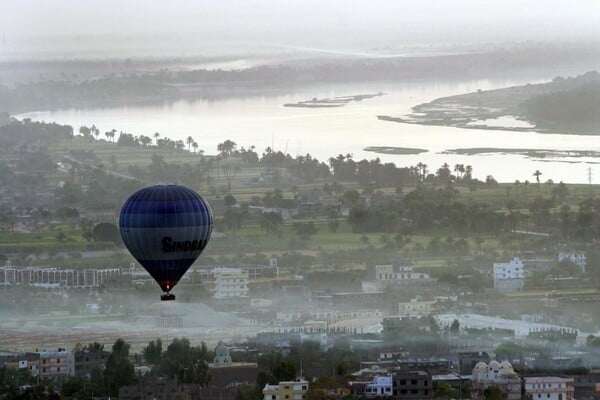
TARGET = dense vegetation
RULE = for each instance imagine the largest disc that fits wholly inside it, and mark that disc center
(574, 108)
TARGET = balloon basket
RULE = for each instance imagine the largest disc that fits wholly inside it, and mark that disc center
(167, 297)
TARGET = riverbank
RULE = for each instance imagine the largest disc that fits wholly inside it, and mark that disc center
(498, 109)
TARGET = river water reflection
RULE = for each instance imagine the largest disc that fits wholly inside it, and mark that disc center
(262, 121)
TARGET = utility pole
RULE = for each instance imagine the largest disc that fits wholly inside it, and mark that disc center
(589, 174)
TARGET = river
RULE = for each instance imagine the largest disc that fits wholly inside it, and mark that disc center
(262, 121)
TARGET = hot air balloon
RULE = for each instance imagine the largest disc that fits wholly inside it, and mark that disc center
(166, 227)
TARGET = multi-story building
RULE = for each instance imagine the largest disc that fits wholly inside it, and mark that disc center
(354, 300)
(496, 374)
(412, 385)
(56, 365)
(433, 365)
(226, 373)
(56, 277)
(28, 361)
(399, 273)
(289, 390)
(380, 386)
(577, 258)
(509, 277)
(90, 361)
(469, 359)
(587, 386)
(157, 389)
(230, 283)
(416, 307)
(548, 388)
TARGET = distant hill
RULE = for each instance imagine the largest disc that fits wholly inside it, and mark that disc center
(577, 108)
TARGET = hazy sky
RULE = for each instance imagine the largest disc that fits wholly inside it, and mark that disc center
(306, 22)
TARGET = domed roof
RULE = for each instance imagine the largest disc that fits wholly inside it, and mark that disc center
(221, 349)
(222, 354)
(507, 368)
(494, 365)
(481, 367)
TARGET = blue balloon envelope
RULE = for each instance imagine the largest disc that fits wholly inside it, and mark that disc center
(166, 228)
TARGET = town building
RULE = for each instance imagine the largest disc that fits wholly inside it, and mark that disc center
(158, 389)
(549, 388)
(286, 390)
(56, 365)
(380, 386)
(587, 386)
(353, 300)
(577, 258)
(516, 327)
(433, 365)
(398, 273)
(467, 360)
(89, 361)
(501, 375)
(230, 283)
(509, 277)
(226, 373)
(56, 277)
(29, 361)
(417, 307)
(393, 275)
(412, 385)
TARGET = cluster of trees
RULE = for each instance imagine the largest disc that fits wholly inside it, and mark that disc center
(574, 108)
(119, 371)
(27, 132)
(19, 384)
(425, 209)
(180, 360)
(130, 140)
(330, 368)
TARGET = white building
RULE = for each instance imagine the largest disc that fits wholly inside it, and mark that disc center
(519, 327)
(292, 390)
(549, 388)
(398, 273)
(509, 277)
(416, 307)
(391, 275)
(230, 283)
(495, 374)
(380, 386)
(577, 258)
(56, 277)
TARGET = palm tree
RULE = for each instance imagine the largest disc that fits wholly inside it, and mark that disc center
(195, 146)
(156, 136)
(189, 141)
(468, 174)
(537, 175)
(95, 131)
